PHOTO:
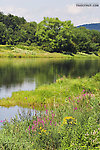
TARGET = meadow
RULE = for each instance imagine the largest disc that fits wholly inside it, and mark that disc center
(22, 51)
(67, 116)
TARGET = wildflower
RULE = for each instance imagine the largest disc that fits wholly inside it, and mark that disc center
(42, 121)
(83, 90)
(29, 129)
(2, 121)
(84, 94)
(75, 108)
(43, 130)
(55, 123)
(32, 127)
(46, 111)
(68, 120)
(50, 121)
(92, 95)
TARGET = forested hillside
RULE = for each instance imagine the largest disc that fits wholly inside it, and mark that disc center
(92, 26)
(51, 34)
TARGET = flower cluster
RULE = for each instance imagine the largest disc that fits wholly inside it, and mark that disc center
(42, 131)
(81, 101)
(41, 123)
(2, 121)
(69, 120)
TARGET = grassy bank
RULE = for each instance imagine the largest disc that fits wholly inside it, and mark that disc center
(20, 51)
(27, 52)
(56, 93)
(71, 119)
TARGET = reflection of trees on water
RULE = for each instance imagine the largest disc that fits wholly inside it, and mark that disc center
(45, 71)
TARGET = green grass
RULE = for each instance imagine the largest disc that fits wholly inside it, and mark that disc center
(55, 93)
(21, 51)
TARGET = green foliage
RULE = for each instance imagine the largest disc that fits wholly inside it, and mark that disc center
(56, 34)
(51, 34)
(17, 30)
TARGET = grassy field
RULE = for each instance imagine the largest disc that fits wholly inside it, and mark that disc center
(26, 52)
(68, 117)
(20, 51)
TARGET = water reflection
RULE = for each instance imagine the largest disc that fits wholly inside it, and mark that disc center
(27, 74)
(26, 85)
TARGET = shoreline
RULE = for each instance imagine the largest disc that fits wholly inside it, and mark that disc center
(7, 51)
(54, 93)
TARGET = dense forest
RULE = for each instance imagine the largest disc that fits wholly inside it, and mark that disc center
(51, 34)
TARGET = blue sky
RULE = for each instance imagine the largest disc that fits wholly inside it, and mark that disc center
(35, 10)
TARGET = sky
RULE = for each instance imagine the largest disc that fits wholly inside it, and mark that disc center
(35, 10)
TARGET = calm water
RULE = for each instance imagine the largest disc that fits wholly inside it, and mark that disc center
(27, 74)
(9, 113)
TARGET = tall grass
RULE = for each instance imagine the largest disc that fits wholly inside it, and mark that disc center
(21, 51)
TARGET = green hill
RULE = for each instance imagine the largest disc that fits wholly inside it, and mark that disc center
(93, 26)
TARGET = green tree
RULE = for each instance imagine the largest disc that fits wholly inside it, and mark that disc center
(52, 34)
(3, 32)
(30, 29)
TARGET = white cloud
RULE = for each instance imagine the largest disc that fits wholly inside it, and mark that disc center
(73, 10)
(21, 12)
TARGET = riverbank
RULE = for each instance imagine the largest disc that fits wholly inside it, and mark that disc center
(55, 93)
(20, 51)
(69, 116)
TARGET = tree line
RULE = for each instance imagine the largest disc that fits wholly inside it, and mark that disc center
(51, 34)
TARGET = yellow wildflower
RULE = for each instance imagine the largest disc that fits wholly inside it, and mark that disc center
(43, 130)
(69, 120)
